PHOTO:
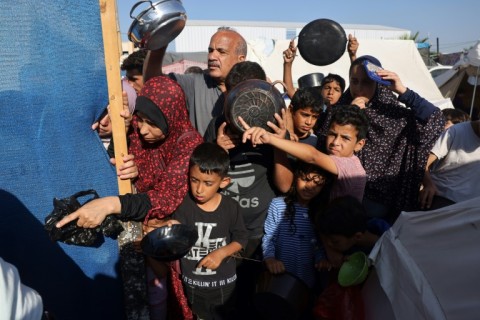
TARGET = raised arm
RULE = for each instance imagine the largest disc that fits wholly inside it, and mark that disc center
(152, 66)
(288, 57)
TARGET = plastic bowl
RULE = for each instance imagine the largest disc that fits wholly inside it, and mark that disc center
(169, 243)
(353, 271)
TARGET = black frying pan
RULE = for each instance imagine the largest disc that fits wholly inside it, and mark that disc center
(322, 42)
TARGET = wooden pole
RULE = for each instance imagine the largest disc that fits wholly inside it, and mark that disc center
(112, 47)
(132, 264)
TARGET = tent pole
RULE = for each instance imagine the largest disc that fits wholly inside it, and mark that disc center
(474, 91)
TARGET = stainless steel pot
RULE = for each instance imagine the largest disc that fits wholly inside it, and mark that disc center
(256, 101)
(157, 25)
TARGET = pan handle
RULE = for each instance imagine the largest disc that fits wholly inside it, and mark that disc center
(136, 5)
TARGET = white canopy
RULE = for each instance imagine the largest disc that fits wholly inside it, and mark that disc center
(400, 56)
(427, 266)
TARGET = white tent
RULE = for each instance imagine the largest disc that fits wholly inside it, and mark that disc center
(427, 266)
(463, 78)
(400, 56)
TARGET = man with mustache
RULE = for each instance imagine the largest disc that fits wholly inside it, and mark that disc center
(204, 92)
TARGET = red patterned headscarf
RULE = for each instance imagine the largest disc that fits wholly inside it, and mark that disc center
(163, 166)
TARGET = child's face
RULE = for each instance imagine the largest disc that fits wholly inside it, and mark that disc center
(331, 92)
(339, 243)
(309, 186)
(150, 133)
(204, 186)
(342, 140)
(361, 86)
(135, 79)
(303, 121)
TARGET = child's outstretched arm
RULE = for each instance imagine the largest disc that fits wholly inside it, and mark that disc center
(302, 151)
(214, 259)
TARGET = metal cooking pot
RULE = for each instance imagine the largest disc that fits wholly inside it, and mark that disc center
(322, 42)
(256, 101)
(169, 243)
(310, 80)
(281, 296)
(159, 24)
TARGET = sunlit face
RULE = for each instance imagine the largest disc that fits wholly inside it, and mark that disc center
(105, 127)
(303, 121)
(222, 54)
(204, 186)
(342, 140)
(361, 86)
(339, 243)
(149, 132)
(135, 79)
(331, 92)
(308, 187)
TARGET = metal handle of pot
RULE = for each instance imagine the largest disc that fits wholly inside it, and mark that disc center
(136, 5)
(274, 83)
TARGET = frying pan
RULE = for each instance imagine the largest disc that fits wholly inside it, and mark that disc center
(322, 42)
(169, 243)
(256, 101)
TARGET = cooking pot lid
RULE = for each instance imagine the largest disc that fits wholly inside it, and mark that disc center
(322, 42)
(169, 243)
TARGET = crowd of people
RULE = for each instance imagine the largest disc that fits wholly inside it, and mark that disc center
(334, 171)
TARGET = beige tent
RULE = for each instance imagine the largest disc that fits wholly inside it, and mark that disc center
(461, 82)
(400, 56)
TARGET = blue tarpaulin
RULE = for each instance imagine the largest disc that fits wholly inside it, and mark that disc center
(52, 89)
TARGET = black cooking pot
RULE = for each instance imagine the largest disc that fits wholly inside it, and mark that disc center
(169, 243)
(322, 42)
(281, 296)
(310, 80)
(256, 101)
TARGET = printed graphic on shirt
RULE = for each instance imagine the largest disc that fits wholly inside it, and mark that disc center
(243, 177)
(204, 246)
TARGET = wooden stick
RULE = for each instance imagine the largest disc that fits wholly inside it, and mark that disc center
(112, 48)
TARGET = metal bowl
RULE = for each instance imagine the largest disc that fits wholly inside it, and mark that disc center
(169, 243)
(158, 25)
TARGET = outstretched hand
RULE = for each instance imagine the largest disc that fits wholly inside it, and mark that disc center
(225, 138)
(259, 135)
(92, 213)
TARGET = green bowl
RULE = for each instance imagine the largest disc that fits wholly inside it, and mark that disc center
(353, 271)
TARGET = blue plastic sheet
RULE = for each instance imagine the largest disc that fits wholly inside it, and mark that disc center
(53, 87)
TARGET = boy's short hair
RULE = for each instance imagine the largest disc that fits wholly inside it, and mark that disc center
(210, 158)
(332, 77)
(307, 97)
(244, 70)
(353, 115)
(455, 115)
(134, 61)
(343, 216)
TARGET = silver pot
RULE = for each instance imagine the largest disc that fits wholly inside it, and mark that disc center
(157, 25)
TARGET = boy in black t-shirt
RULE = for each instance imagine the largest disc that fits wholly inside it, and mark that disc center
(208, 273)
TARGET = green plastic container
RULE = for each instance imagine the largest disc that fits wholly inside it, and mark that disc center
(353, 271)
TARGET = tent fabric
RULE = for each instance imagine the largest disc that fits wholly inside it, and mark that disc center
(461, 79)
(400, 56)
(427, 264)
(52, 90)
